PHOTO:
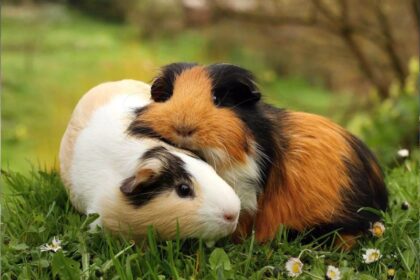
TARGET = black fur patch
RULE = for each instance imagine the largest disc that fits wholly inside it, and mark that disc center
(171, 175)
(163, 85)
(277, 143)
(366, 190)
(262, 130)
(232, 86)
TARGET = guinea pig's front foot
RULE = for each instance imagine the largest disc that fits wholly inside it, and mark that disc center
(95, 224)
(95, 227)
(210, 243)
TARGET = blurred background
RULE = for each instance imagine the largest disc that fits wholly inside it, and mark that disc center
(355, 61)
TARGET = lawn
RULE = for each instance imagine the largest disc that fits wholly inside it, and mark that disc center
(37, 209)
(50, 57)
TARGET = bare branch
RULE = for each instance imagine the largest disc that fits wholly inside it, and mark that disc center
(364, 64)
(389, 44)
(323, 17)
(344, 11)
(347, 31)
(319, 5)
(261, 18)
(416, 10)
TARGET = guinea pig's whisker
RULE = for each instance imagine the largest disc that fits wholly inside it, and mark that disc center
(214, 161)
(224, 97)
(240, 103)
(156, 193)
(228, 160)
(262, 155)
(205, 226)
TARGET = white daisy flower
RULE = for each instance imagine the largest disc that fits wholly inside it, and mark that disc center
(54, 246)
(403, 153)
(333, 273)
(377, 229)
(371, 255)
(294, 267)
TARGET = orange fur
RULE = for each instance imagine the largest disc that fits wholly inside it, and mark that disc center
(314, 174)
(313, 169)
(305, 183)
(216, 128)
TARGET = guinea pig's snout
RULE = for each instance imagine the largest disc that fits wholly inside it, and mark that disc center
(185, 130)
(230, 216)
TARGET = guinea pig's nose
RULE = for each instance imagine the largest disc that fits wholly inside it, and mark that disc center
(185, 131)
(230, 216)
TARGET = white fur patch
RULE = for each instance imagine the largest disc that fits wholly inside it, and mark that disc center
(104, 156)
(242, 177)
(218, 197)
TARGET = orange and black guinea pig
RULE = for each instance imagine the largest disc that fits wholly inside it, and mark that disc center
(288, 168)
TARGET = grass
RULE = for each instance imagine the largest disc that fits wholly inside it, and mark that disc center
(37, 208)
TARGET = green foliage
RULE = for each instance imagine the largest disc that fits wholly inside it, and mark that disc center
(220, 264)
(64, 267)
(45, 76)
(390, 124)
(36, 208)
(67, 53)
(111, 10)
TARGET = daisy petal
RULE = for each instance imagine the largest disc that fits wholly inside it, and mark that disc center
(333, 273)
(371, 255)
(294, 267)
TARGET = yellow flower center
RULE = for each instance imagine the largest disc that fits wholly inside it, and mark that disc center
(332, 274)
(391, 272)
(296, 268)
(377, 231)
(374, 255)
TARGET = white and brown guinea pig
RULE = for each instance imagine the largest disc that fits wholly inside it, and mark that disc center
(288, 168)
(135, 182)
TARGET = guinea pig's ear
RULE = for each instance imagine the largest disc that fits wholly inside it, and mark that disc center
(161, 89)
(163, 85)
(233, 85)
(147, 172)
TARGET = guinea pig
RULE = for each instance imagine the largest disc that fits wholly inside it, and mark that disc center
(133, 183)
(288, 168)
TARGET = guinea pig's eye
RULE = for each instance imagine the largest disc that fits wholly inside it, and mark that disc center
(184, 190)
(216, 100)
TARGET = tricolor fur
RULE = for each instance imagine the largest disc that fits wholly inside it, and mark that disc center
(290, 168)
(133, 183)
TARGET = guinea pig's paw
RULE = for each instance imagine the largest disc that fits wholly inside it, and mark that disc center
(95, 227)
(210, 243)
(95, 224)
